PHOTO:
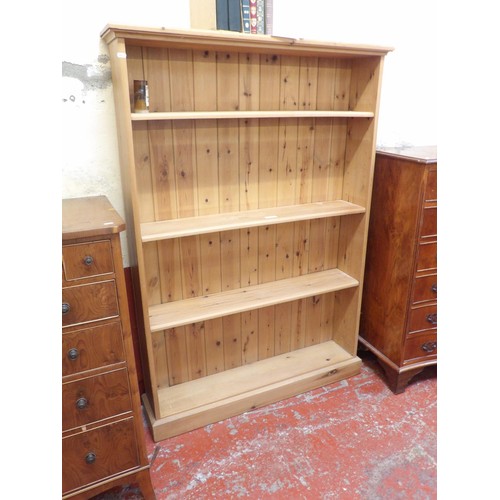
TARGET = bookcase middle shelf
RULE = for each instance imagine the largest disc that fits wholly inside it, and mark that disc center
(196, 309)
(204, 224)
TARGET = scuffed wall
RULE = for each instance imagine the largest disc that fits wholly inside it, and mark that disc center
(90, 163)
(90, 153)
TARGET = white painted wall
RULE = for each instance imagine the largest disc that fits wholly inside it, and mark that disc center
(408, 102)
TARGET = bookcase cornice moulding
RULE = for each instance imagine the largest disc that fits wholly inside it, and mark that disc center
(213, 39)
(247, 192)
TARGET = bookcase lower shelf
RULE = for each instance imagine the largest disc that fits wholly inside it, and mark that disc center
(210, 399)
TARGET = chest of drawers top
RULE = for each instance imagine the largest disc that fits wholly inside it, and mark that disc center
(92, 216)
(419, 154)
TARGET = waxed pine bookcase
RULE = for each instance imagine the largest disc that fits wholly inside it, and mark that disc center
(247, 190)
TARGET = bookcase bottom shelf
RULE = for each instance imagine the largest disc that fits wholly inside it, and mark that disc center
(203, 401)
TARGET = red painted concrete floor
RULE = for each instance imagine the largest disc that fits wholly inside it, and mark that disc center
(351, 440)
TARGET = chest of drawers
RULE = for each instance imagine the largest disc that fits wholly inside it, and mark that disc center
(399, 308)
(102, 429)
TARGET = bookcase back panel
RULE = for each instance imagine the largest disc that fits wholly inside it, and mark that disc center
(200, 265)
(199, 167)
(189, 352)
(208, 80)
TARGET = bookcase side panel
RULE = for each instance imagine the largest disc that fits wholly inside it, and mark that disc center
(357, 188)
(126, 60)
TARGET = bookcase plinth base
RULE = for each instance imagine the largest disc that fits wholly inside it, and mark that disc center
(191, 405)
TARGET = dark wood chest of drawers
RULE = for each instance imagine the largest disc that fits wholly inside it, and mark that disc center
(399, 308)
(102, 429)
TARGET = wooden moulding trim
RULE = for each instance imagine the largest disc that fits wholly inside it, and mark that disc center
(209, 115)
(215, 39)
(412, 364)
(215, 397)
(115, 479)
(192, 310)
(204, 224)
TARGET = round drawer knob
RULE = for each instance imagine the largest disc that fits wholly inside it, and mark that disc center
(429, 346)
(434, 288)
(65, 308)
(432, 318)
(88, 260)
(82, 403)
(90, 458)
(73, 354)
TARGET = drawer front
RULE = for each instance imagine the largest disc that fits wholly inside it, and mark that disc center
(94, 398)
(92, 348)
(87, 259)
(94, 455)
(425, 288)
(423, 318)
(429, 222)
(431, 186)
(427, 256)
(420, 346)
(86, 303)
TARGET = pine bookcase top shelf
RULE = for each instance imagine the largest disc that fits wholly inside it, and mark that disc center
(178, 313)
(204, 224)
(214, 115)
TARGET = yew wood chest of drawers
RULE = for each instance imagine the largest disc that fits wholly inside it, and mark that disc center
(102, 428)
(399, 308)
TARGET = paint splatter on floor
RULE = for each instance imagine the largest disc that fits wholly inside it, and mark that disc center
(351, 440)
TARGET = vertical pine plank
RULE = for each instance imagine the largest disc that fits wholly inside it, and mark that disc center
(230, 278)
(320, 308)
(205, 99)
(210, 251)
(287, 177)
(298, 332)
(249, 199)
(228, 96)
(302, 236)
(314, 320)
(327, 316)
(249, 276)
(249, 337)
(214, 346)
(160, 357)
(156, 72)
(182, 99)
(195, 346)
(249, 88)
(287, 159)
(170, 270)
(232, 341)
(270, 86)
(142, 158)
(177, 356)
(333, 87)
(307, 100)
